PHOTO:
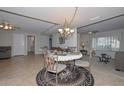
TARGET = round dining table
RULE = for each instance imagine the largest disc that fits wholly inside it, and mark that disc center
(66, 57)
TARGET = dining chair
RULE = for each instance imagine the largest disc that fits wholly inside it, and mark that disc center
(53, 67)
(84, 63)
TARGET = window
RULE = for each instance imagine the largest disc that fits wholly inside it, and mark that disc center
(106, 43)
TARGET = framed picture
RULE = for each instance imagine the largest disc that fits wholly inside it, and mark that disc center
(61, 40)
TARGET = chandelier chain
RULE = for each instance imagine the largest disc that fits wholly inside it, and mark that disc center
(75, 12)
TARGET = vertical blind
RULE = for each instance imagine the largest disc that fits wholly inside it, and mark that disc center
(108, 42)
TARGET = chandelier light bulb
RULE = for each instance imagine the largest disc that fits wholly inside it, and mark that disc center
(1, 25)
(6, 27)
(67, 29)
(10, 27)
(60, 30)
(71, 30)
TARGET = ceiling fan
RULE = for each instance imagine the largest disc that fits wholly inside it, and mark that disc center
(4, 25)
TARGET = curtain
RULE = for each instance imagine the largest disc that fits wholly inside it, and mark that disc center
(107, 42)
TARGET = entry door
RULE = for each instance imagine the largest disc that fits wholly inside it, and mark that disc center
(31, 44)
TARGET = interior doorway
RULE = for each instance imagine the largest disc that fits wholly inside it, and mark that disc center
(30, 44)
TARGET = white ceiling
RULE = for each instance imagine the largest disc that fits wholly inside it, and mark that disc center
(58, 15)
(108, 25)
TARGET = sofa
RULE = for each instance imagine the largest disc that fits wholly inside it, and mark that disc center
(5, 52)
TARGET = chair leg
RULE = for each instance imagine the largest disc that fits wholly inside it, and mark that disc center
(99, 59)
(56, 74)
(56, 79)
(88, 68)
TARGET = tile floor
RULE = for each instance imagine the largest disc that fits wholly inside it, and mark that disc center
(22, 71)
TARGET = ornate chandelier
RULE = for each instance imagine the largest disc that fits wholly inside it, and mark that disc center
(6, 26)
(66, 31)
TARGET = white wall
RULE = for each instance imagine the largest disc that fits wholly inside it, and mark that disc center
(18, 46)
(78, 42)
(7, 39)
(55, 40)
(88, 40)
(85, 38)
(69, 42)
(41, 41)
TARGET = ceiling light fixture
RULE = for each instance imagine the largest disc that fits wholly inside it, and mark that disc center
(6, 26)
(67, 31)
